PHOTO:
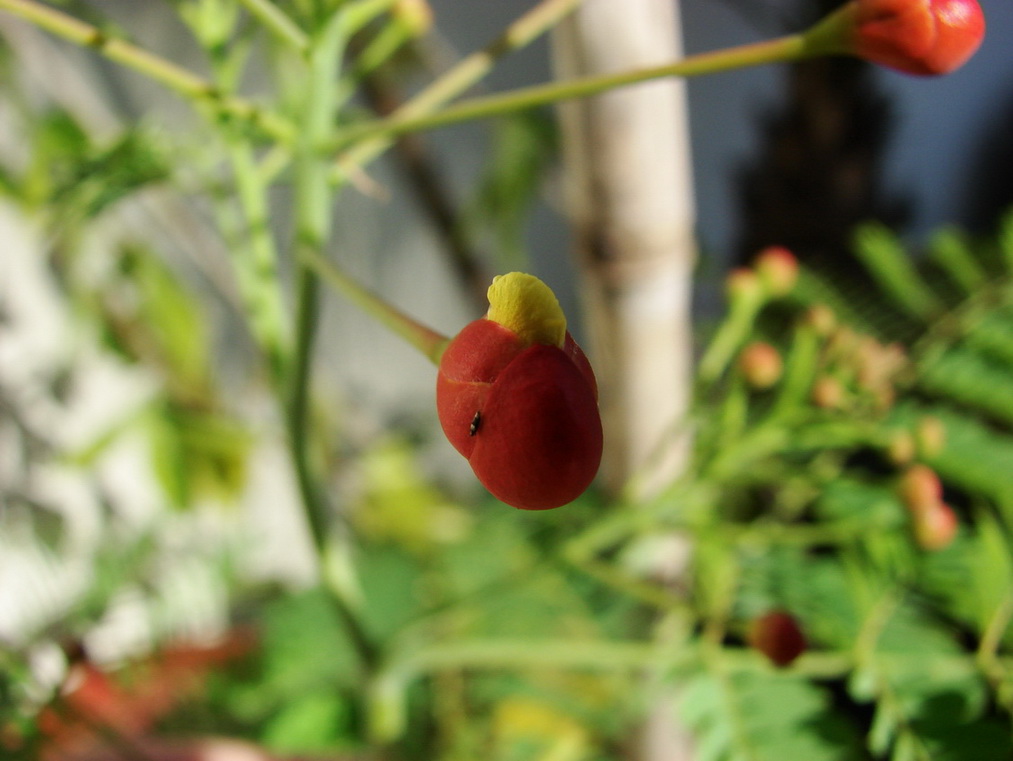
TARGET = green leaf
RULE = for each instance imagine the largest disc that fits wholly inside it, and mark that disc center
(970, 379)
(951, 251)
(991, 334)
(754, 716)
(174, 318)
(894, 272)
(312, 723)
(304, 650)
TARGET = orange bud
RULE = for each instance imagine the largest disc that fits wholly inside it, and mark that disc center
(828, 393)
(761, 365)
(935, 528)
(920, 488)
(778, 270)
(925, 37)
(822, 319)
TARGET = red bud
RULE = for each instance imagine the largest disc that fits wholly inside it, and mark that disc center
(924, 37)
(778, 636)
(761, 365)
(526, 417)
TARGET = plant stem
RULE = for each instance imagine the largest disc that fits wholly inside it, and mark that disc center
(787, 48)
(256, 266)
(173, 76)
(312, 229)
(731, 334)
(464, 75)
(800, 368)
(514, 654)
(423, 338)
(278, 23)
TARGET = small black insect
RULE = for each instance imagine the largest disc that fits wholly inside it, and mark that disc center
(475, 423)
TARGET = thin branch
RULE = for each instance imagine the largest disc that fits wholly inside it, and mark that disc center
(278, 23)
(420, 118)
(460, 78)
(173, 76)
(426, 340)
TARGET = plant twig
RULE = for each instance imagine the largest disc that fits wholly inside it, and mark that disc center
(419, 118)
(173, 76)
(426, 340)
(464, 75)
(278, 23)
(312, 202)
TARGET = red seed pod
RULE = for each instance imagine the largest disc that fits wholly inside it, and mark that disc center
(778, 636)
(925, 37)
(519, 399)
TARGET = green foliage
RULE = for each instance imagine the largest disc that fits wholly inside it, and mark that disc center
(440, 631)
(763, 716)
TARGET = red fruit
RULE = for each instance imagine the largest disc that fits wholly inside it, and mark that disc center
(778, 636)
(924, 37)
(523, 412)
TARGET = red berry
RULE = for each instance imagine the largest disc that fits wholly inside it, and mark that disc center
(778, 636)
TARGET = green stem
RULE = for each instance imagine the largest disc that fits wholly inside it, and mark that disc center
(464, 75)
(256, 267)
(312, 224)
(514, 654)
(278, 23)
(731, 335)
(787, 48)
(356, 15)
(800, 368)
(175, 77)
(425, 339)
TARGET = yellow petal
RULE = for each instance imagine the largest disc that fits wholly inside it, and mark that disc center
(527, 306)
